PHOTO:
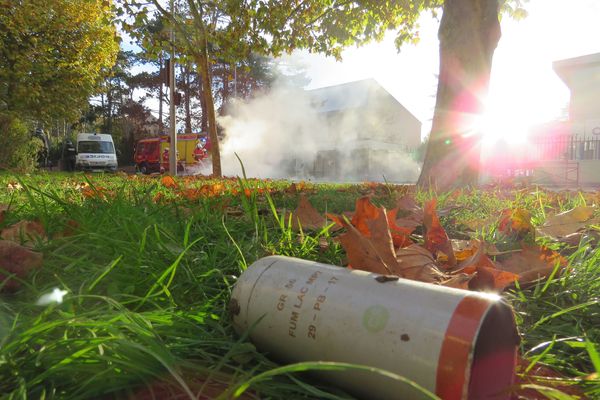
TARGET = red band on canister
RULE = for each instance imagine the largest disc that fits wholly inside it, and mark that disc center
(453, 364)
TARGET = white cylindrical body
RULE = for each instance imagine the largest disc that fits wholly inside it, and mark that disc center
(455, 343)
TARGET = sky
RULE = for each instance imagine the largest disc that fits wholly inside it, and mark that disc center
(524, 90)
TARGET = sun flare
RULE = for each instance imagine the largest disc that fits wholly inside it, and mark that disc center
(505, 123)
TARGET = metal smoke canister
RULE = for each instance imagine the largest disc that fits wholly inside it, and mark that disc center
(455, 343)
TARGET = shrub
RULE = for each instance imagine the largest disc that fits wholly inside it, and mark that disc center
(18, 149)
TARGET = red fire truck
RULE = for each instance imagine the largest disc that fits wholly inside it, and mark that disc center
(152, 154)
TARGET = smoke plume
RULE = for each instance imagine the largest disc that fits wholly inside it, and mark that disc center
(284, 133)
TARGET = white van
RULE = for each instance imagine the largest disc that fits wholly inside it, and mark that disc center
(95, 152)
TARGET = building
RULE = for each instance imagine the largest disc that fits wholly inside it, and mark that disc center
(569, 152)
(367, 134)
(582, 77)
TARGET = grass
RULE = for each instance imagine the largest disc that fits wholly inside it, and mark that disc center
(149, 273)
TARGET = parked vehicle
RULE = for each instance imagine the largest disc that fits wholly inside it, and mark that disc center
(95, 152)
(151, 154)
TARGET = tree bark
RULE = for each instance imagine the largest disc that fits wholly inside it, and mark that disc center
(188, 114)
(161, 126)
(469, 33)
(225, 79)
(203, 67)
(109, 105)
(203, 118)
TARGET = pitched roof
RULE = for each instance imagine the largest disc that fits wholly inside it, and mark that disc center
(350, 95)
(564, 68)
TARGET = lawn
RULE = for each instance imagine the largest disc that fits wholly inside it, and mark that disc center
(147, 266)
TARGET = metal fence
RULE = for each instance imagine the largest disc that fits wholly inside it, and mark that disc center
(573, 147)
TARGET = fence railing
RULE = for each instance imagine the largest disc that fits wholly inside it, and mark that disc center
(572, 147)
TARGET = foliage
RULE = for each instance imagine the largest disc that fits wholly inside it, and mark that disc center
(18, 149)
(52, 55)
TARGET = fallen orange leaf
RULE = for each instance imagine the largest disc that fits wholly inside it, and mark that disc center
(24, 232)
(338, 219)
(486, 275)
(18, 260)
(417, 263)
(365, 210)
(492, 279)
(436, 238)
(292, 189)
(306, 216)
(169, 182)
(97, 192)
(381, 238)
(158, 197)
(400, 233)
(407, 203)
(515, 222)
(532, 263)
(464, 249)
(361, 252)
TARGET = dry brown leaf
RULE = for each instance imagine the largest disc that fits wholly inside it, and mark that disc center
(407, 223)
(458, 281)
(18, 260)
(323, 244)
(484, 272)
(408, 203)
(361, 252)
(306, 216)
(381, 238)
(436, 238)
(24, 232)
(409, 209)
(492, 279)
(417, 263)
(532, 263)
(568, 222)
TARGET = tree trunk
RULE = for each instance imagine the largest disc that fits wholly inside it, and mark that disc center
(469, 33)
(109, 106)
(203, 118)
(161, 126)
(225, 79)
(187, 93)
(203, 69)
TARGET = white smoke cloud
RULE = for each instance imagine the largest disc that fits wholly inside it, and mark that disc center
(281, 134)
(269, 132)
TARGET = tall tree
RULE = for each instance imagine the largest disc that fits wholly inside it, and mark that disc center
(469, 33)
(52, 55)
(116, 89)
